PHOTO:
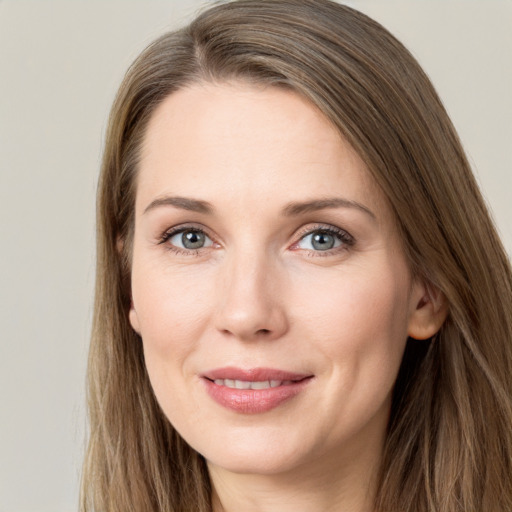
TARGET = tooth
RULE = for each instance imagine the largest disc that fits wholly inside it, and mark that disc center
(260, 385)
(242, 384)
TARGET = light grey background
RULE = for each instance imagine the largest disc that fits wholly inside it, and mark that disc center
(60, 64)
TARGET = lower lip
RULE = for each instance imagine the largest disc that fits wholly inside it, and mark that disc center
(254, 401)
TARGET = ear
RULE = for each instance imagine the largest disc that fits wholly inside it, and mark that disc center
(119, 244)
(132, 315)
(134, 318)
(429, 311)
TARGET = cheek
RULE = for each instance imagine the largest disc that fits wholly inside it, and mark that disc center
(359, 326)
(359, 312)
(173, 308)
(173, 312)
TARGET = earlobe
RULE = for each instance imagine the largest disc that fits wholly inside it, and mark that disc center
(132, 314)
(429, 313)
(119, 244)
(134, 319)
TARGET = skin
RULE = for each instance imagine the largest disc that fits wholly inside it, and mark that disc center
(259, 294)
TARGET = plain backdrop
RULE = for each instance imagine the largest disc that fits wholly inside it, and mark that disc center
(60, 65)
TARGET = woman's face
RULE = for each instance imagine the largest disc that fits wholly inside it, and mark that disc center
(269, 286)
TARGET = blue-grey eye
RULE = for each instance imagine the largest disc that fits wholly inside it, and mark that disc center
(319, 241)
(190, 239)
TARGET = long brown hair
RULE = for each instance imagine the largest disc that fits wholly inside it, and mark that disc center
(449, 442)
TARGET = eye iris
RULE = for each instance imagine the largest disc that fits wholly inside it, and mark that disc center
(323, 241)
(193, 239)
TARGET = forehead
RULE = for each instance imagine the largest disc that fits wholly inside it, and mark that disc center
(240, 142)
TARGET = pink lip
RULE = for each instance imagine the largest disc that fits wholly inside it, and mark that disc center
(254, 401)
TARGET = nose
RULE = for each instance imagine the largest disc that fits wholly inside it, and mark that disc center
(250, 305)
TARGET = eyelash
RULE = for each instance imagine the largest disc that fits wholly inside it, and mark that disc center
(346, 239)
(167, 235)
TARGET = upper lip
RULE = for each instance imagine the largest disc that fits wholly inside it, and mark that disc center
(253, 374)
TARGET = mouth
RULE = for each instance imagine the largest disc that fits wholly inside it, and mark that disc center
(244, 384)
(255, 390)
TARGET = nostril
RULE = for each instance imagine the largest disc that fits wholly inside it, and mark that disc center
(263, 331)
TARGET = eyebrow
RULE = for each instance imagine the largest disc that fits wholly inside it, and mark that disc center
(299, 208)
(292, 209)
(184, 203)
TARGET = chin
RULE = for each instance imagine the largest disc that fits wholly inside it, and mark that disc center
(256, 463)
(264, 454)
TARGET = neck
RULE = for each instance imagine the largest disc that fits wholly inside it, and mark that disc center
(327, 484)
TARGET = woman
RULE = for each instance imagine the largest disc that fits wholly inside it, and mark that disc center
(301, 302)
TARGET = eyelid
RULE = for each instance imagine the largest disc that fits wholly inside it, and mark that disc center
(347, 240)
(164, 238)
(167, 233)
